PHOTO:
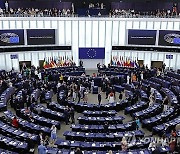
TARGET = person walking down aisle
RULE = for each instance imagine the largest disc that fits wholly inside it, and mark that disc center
(53, 134)
(99, 98)
(72, 115)
(111, 97)
(85, 96)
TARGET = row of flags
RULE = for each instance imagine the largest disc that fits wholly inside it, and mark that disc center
(52, 62)
(124, 61)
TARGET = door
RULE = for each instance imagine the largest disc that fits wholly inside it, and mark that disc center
(41, 62)
(157, 64)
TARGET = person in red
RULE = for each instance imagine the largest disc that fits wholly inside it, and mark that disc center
(15, 122)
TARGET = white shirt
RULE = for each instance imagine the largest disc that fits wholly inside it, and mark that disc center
(54, 130)
(6, 4)
(39, 76)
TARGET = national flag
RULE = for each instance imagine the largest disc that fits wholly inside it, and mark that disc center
(45, 63)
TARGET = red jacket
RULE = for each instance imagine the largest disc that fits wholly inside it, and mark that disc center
(15, 123)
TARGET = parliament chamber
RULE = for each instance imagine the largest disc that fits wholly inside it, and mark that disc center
(89, 77)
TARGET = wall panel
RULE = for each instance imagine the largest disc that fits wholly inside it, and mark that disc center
(82, 34)
(33, 24)
(102, 33)
(47, 24)
(95, 32)
(115, 35)
(88, 34)
(68, 32)
(12, 24)
(40, 24)
(61, 33)
(122, 33)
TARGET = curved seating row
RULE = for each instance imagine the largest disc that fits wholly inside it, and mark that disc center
(5, 96)
(3, 151)
(129, 126)
(176, 90)
(159, 129)
(10, 131)
(136, 107)
(40, 119)
(158, 119)
(164, 83)
(171, 96)
(31, 127)
(56, 107)
(129, 87)
(13, 144)
(100, 120)
(80, 107)
(48, 113)
(99, 113)
(101, 137)
(68, 151)
(118, 88)
(174, 75)
(152, 84)
(150, 111)
(143, 95)
(100, 146)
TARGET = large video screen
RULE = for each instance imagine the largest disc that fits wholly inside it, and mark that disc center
(141, 37)
(11, 37)
(40, 36)
(169, 38)
(91, 53)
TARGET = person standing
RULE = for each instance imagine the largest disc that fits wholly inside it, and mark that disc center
(79, 96)
(165, 103)
(66, 115)
(41, 148)
(74, 94)
(72, 114)
(137, 123)
(85, 96)
(6, 6)
(124, 144)
(81, 63)
(99, 98)
(53, 134)
(15, 122)
(128, 79)
(120, 95)
(111, 97)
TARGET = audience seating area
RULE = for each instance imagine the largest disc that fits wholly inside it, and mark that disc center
(99, 128)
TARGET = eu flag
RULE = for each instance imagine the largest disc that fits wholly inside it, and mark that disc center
(176, 40)
(14, 39)
(91, 53)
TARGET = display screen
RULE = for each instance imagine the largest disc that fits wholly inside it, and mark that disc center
(141, 37)
(169, 38)
(40, 36)
(91, 53)
(11, 37)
